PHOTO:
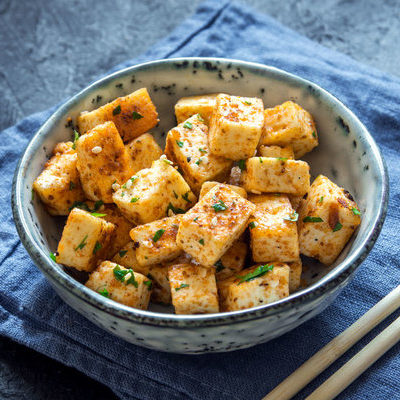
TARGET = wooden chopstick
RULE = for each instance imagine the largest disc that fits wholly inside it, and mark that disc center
(336, 348)
(350, 371)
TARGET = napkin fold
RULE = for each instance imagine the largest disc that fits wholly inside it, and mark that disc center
(32, 314)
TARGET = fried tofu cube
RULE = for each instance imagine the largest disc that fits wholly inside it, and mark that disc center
(102, 161)
(187, 146)
(327, 219)
(296, 268)
(273, 229)
(154, 193)
(156, 241)
(126, 256)
(193, 289)
(289, 124)
(207, 186)
(208, 229)
(268, 175)
(161, 288)
(256, 286)
(276, 152)
(143, 151)
(58, 185)
(231, 262)
(121, 285)
(84, 241)
(133, 115)
(188, 106)
(235, 126)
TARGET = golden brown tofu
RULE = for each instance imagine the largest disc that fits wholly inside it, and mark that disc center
(207, 186)
(276, 152)
(188, 106)
(208, 229)
(84, 241)
(254, 286)
(155, 242)
(187, 146)
(154, 193)
(232, 262)
(296, 268)
(143, 151)
(235, 126)
(58, 185)
(126, 256)
(289, 124)
(273, 229)
(133, 115)
(121, 285)
(327, 219)
(102, 162)
(161, 289)
(270, 175)
(193, 289)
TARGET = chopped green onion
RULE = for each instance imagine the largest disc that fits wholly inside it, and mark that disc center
(188, 125)
(355, 211)
(242, 164)
(53, 257)
(117, 110)
(121, 253)
(219, 206)
(183, 285)
(136, 115)
(134, 199)
(76, 137)
(201, 241)
(259, 271)
(337, 227)
(312, 219)
(179, 143)
(253, 224)
(97, 247)
(292, 217)
(158, 235)
(82, 244)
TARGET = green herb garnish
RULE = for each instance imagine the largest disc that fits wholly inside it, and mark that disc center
(72, 185)
(183, 285)
(175, 194)
(117, 110)
(132, 280)
(179, 143)
(185, 197)
(260, 159)
(292, 217)
(158, 235)
(200, 118)
(282, 158)
(188, 125)
(219, 206)
(253, 224)
(136, 115)
(314, 134)
(202, 150)
(195, 219)
(201, 241)
(97, 247)
(247, 102)
(97, 205)
(198, 161)
(175, 210)
(259, 271)
(104, 292)
(312, 219)
(355, 211)
(99, 215)
(121, 253)
(119, 273)
(321, 199)
(76, 137)
(53, 257)
(134, 199)
(219, 266)
(149, 284)
(82, 244)
(337, 227)
(242, 164)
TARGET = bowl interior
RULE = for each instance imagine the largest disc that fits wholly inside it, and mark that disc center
(346, 152)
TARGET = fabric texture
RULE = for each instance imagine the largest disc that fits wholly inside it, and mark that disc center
(32, 314)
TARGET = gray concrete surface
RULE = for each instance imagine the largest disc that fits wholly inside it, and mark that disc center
(51, 49)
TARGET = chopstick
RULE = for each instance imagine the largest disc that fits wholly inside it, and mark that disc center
(350, 371)
(336, 348)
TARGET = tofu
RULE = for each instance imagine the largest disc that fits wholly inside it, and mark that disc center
(273, 229)
(161, 288)
(235, 126)
(84, 241)
(232, 262)
(188, 106)
(289, 124)
(276, 152)
(102, 161)
(133, 115)
(187, 146)
(269, 175)
(208, 229)
(143, 151)
(296, 268)
(154, 193)
(207, 186)
(121, 285)
(155, 241)
(268, 287)
(58, 185)
(193, 289)
(126, 256)
(327, 219)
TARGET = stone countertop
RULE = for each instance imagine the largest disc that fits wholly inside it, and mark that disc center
(51, 50)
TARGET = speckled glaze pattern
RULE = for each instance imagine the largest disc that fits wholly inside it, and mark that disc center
(347, 154)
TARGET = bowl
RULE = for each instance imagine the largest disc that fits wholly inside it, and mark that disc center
(347, 154)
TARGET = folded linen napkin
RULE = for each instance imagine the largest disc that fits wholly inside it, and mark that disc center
(32, 314)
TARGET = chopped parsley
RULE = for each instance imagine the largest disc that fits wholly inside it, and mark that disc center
(97, 247)
(133, 178)
(175, 210)
(149, 284)
(312, 219)
(292, 217)
(321, 199)
(201, 241)
(96, 214)
(185, 197)
(253, 224)
(183, 285)
(195, 219)
(219, 266)
(179, 143)
(261, 160)
(282, 158)
(188, 125)
(200, 118)
(72, 185)
(314, 134)
(97, 205)
(337, 227)
(355, 211)
(219, 206)
(167, 161)
(53, 257)
(117, 110)
(247, 102)
(134, 199)
(175, 194)
(80, 204)
(132, 280)
(136, 115)
(119, 273)
(158, 235)
(104, 292)
(76, 137)
(202, 150)
(259, 271)
(198, 161)
(82, 244)
(121, 253)
(242, 164)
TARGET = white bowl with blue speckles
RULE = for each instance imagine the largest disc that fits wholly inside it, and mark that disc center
(347, 153)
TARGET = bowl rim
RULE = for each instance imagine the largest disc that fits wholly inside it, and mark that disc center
(332, 279)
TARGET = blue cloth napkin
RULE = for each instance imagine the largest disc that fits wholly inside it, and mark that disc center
(32, 314)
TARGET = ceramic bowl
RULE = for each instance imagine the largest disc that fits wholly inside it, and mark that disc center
(347, 154)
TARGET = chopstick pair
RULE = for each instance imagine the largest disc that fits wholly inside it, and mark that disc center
(337, 347)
